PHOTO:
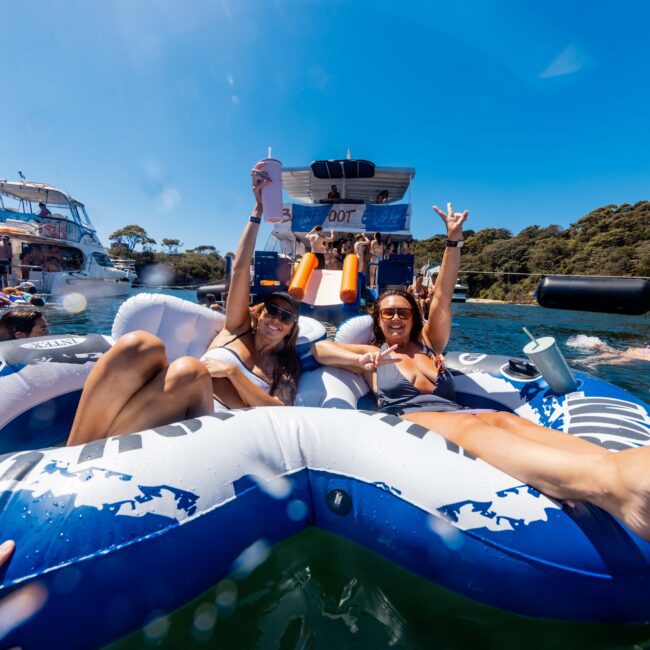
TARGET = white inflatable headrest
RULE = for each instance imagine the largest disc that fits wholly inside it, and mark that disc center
(331, 388)
(186, 328)
(357, 329)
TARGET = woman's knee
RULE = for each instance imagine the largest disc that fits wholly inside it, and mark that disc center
(501, 419)
(187, 371)
(137, 348)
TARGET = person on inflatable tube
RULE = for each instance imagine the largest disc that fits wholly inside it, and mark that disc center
(252, 361)
(405, 370)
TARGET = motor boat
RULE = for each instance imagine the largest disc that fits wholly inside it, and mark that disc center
(56, 248)
(345, 197)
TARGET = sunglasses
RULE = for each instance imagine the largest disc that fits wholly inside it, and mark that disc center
(403, 313)
(283, 315)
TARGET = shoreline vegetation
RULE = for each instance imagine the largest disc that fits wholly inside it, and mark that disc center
(495, 265)
(611, 240)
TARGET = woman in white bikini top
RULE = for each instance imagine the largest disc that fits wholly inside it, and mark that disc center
(251, 362)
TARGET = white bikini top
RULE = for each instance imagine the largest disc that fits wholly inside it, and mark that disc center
(228, 355)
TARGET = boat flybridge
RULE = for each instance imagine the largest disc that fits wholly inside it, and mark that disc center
(345, 196)
(56, 247)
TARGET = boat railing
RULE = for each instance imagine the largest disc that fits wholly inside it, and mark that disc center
(123, 264)
(52, 227)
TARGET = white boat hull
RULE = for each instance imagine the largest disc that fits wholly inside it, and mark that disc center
(91, 287)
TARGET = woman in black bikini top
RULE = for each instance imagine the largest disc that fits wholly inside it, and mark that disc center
(405, 371)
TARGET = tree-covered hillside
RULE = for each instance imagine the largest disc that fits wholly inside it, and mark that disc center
(192, 267)
(612, 240)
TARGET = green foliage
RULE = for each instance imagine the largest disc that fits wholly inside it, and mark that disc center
(203, 249)
(611, 240)
(197, 266)
(172, 245)
(129, 237)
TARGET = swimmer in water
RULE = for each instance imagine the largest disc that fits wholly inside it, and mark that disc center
(610, 355)
(605, 353)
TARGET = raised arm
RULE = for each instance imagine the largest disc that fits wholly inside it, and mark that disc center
(438, 326)
(237, 306)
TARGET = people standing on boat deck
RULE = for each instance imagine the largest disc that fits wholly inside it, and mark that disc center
(22, 323)
(360, 244)
(376, 255)
(252, 361)
(6, 255)
(405, 369)
(317, 243)
(348, 245)
(382, 197)
(332, 259)
(44, 212)
(31, 256)
(333, 193)
(405, 248)
(420, 293)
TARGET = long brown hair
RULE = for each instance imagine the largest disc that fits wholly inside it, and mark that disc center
(286, 368)
(376, 318)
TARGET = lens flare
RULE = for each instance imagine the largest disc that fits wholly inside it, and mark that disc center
(74, 303)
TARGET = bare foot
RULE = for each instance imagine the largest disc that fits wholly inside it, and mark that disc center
(629, 500)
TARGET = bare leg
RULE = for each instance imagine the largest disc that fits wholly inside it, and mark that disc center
(131, 363)
(617, 482)
(526, 429)
(126, 369)
(179, 391)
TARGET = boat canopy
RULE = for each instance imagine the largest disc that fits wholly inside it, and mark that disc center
(357, 181)
(37, 193)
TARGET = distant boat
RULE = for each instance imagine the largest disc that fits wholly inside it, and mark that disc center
(460, 290)
(58, 249)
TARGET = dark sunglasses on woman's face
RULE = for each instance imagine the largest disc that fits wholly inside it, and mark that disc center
(283, 315)
(403, 313)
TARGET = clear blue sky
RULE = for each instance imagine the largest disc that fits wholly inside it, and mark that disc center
(153, 112)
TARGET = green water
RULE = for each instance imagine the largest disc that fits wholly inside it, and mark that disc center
(319, 591)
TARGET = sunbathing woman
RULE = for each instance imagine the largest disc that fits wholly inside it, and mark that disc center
(251, 362)
(406, 371)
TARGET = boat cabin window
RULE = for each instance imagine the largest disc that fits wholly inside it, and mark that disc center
(102, 259)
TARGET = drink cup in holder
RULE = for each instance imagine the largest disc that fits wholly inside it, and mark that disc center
(548, 359)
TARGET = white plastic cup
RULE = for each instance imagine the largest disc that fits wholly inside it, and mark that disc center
(272, 194)
(548, 359)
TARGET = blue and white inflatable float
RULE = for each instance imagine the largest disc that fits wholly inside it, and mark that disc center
(117, 529)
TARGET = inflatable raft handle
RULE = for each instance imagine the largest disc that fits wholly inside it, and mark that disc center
(348, 293)
(302, 275)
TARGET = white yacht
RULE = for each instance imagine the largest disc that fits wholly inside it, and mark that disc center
(54, 243)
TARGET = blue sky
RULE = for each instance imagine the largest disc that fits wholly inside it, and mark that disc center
(153, 112)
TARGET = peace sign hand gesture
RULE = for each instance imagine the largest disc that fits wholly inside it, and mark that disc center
(453, 220)
(372, 360)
